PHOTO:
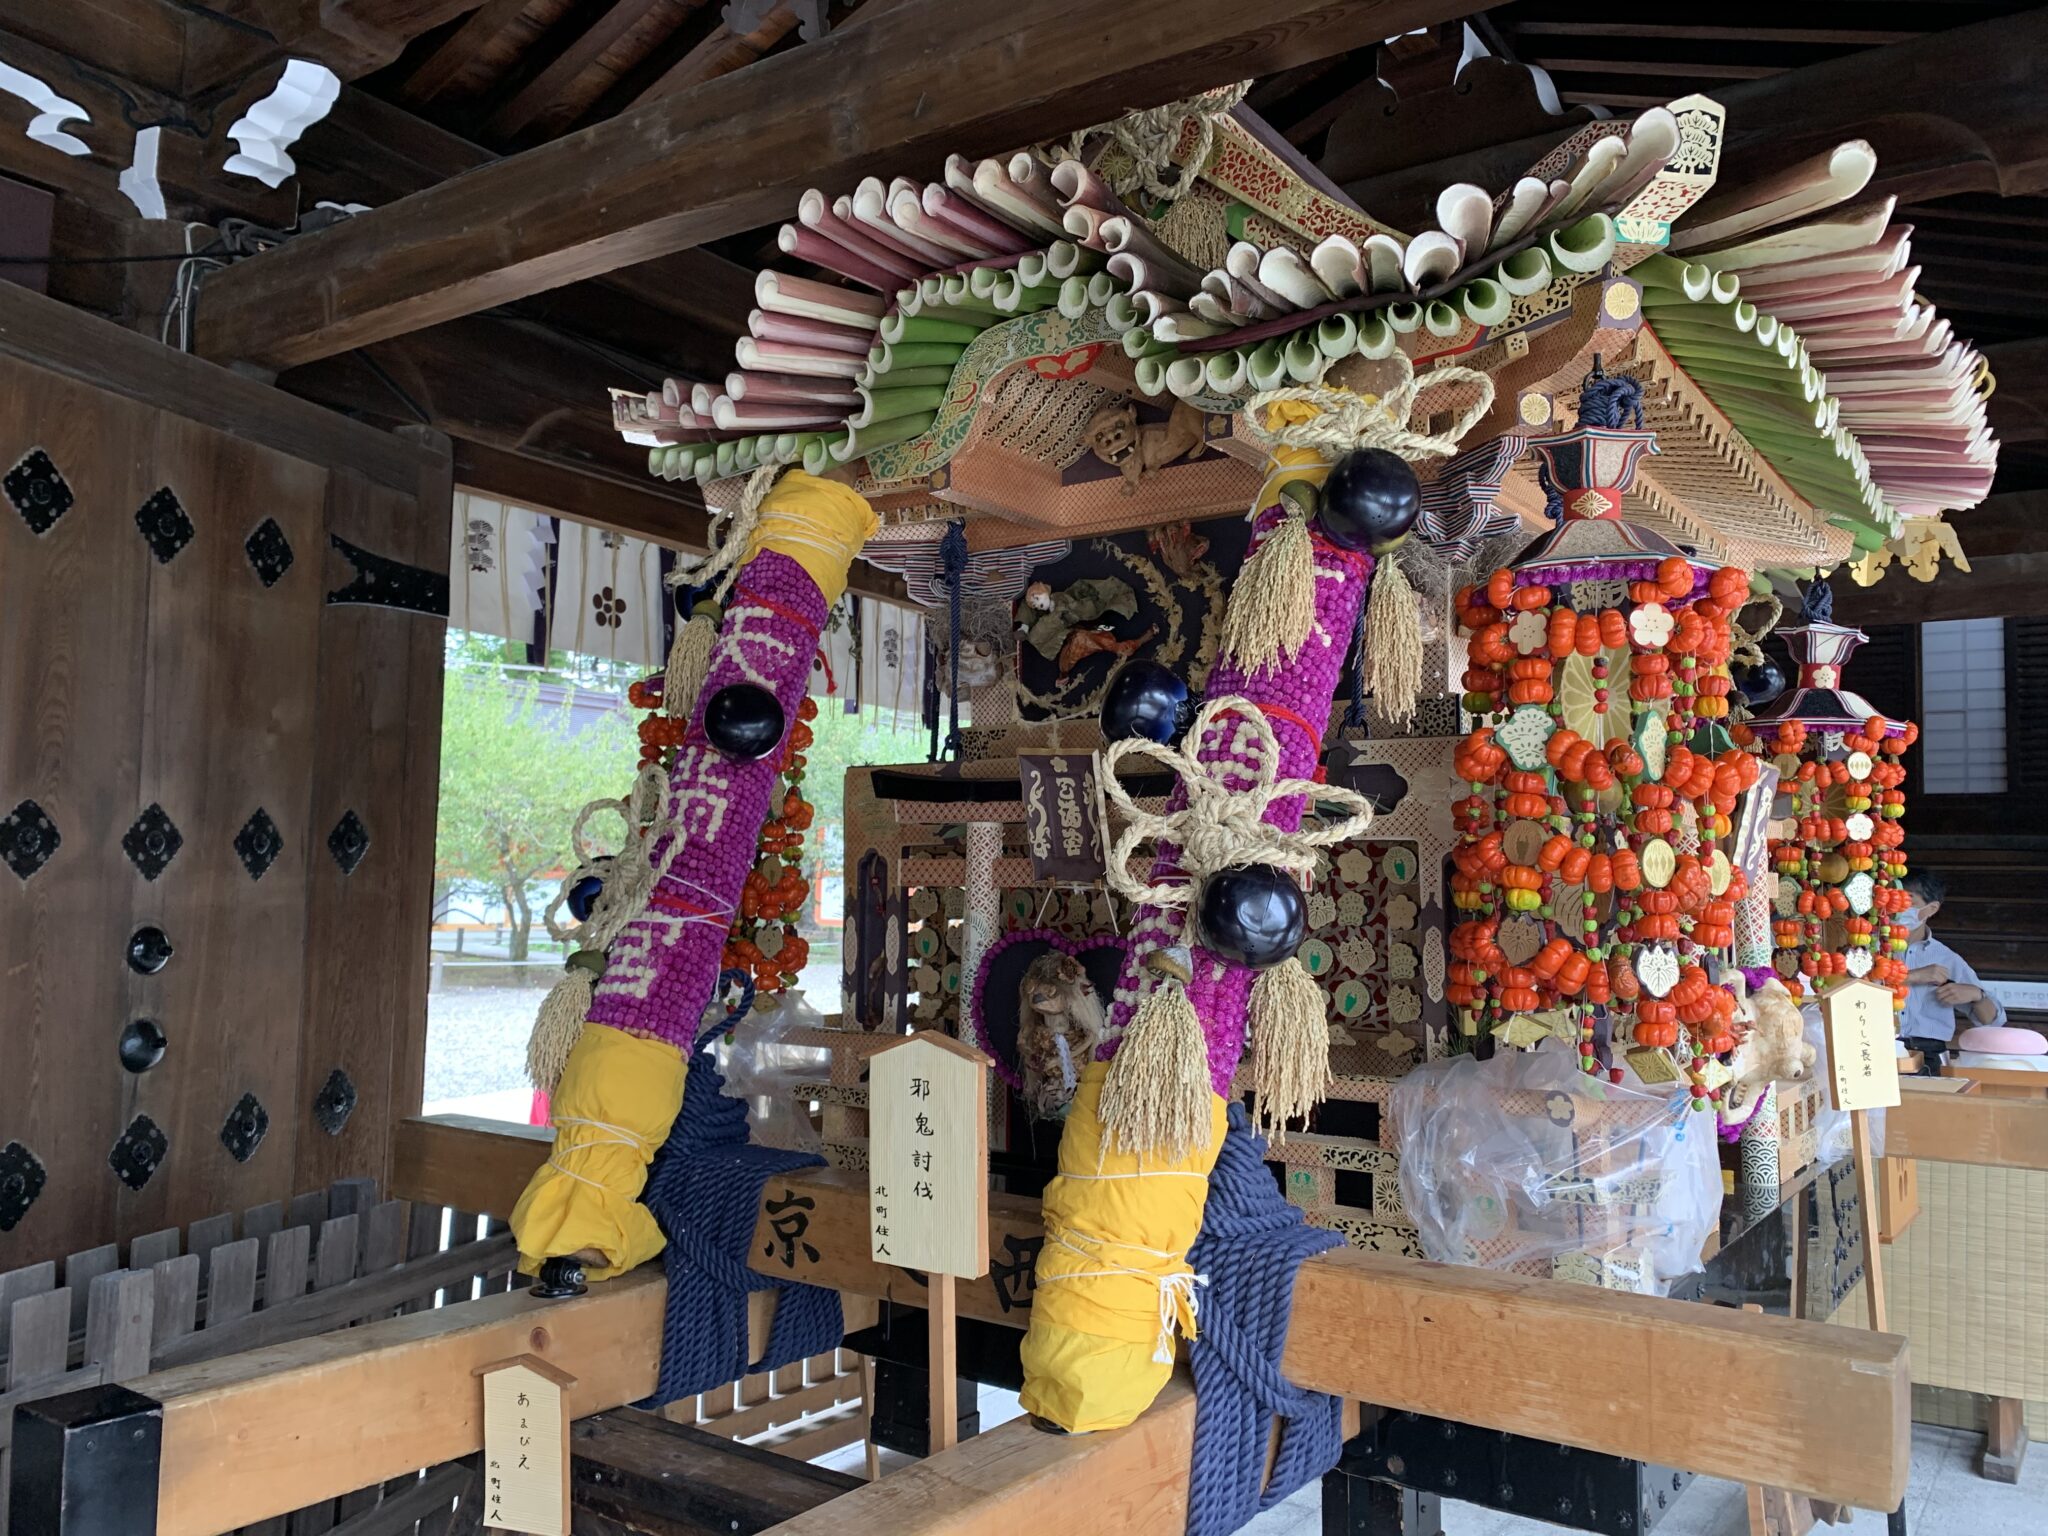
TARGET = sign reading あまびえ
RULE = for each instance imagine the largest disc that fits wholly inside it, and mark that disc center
(928, 1156)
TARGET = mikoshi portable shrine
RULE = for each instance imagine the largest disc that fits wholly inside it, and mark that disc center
(1372, 640)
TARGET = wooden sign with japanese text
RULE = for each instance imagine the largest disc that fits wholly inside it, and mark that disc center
(526, 1446)
(1060, 823)
(928, 1156)
(1863, 1066)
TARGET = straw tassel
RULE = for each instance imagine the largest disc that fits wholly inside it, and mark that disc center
(1290, 1046)
(558, 1027)
(1393, 643)
(1273, 607)
(689, 661)
(1156, 1095)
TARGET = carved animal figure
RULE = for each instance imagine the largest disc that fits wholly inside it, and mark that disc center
(1114, 436)
(1059, 1023)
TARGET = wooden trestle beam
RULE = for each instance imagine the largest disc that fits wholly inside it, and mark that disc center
(732, 153)
(1757, 1399)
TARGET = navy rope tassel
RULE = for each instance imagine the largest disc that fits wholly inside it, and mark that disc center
(1252, 1242)
(705, 1190)
(953, 569)
(1611, 402)
(1818, 606)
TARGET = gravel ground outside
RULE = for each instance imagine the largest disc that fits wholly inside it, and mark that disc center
(476, 1036)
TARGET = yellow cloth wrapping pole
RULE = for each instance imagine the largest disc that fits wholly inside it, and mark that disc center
(1106, 1306)
(619, 1093)
(612, 1109)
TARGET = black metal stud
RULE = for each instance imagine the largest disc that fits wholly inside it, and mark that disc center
(38, 491)
(28, 838)
(335, 1103)
(247, 1124)
(258, 844)
(165, 527)
(149, 950)
(142, 1045)
(152, 842)
(139, 1152)
(269, 551)
(349, 841)
(21, 1180)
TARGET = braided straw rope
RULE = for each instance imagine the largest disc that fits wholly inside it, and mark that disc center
(1223, 825)
(1748, 647)
(737, 527)
(1350, 420)
(1149, 138)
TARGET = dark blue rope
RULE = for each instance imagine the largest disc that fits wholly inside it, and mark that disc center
(1354, 712)
(1610, 400)
(1818, 605)
(705, 1190)
(953, 571)
(1252, 1243)
(1553, 498)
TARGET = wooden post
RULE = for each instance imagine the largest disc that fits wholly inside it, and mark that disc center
(928, 1188)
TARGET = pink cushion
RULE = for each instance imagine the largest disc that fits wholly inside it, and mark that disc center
(2002, 1040)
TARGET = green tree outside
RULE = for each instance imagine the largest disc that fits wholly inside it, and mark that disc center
(513, 778)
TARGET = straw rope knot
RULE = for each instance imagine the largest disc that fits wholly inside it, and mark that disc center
(1223, 823)
(731, 535)
(1347, 420)
(1151, 136)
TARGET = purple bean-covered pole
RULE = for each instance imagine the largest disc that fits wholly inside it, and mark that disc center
(663, 966)
(1296, 698)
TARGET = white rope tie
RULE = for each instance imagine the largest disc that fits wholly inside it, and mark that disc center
(620, 1137)
(1177, 1290)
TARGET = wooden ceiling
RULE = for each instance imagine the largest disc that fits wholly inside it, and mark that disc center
(454, 309)
(506, 75)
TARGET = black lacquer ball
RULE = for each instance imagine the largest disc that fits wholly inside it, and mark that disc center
(1145, 699)
(1370, 501)
(1255, 915)
(743, 722)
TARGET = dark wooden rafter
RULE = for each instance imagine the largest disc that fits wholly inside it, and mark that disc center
(719, 52)
(2006, 543)
(453, 54)
(923, 79)
(546, 89)
(354, 37)
(1933, 135)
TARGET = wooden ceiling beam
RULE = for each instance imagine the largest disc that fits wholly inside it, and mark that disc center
(355, 37)
(1955, 111)
(1765, 36)
(2019, 405)
(2006, 543)
(719, 52)
(454, 53)
(526, 409)
(548, 87)
(733, 153)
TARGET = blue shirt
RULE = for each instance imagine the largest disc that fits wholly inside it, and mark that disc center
(1926, 1019)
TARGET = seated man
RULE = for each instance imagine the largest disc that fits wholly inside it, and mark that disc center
(1941, 981)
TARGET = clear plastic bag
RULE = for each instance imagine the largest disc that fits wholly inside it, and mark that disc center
(762, 1067)
(1524, 1162)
